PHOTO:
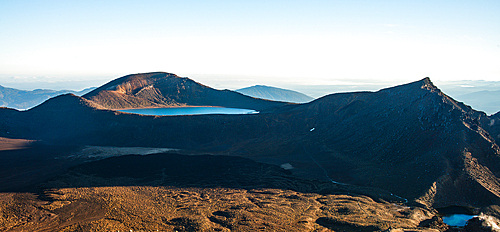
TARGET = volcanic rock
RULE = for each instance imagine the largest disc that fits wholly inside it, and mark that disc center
(482, 223)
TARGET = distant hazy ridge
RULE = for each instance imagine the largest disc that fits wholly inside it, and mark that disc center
(275, 94)
(23, 99)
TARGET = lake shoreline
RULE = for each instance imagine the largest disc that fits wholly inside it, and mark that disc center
(192, 110)
(168, 107)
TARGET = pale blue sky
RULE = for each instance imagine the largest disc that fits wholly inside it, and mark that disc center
(263, 42)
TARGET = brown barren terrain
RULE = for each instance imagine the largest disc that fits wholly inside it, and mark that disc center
(143, 208)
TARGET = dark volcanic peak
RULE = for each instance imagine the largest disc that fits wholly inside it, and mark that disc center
(416, 86)
(401, 94)
(162, 89)
(337, 101)
(411, 135)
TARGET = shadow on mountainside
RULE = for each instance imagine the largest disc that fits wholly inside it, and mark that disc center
(24, 167)
(198, 171)
(40, 166)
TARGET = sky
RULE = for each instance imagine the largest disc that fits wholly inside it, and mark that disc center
(235, 44)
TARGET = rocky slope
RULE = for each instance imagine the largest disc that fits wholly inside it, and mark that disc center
(166, 90)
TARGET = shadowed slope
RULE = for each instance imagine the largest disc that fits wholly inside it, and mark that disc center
(408, 139)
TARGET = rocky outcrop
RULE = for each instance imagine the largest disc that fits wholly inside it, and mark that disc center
(483, 223)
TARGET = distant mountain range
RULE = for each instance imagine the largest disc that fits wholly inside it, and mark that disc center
(486, 100)
(480, 95)
(23, 99)
(275, 94)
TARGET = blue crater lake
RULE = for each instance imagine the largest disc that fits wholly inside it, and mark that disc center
(457, 219)
(189, 111)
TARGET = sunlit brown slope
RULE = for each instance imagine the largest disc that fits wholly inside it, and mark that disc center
(147, 208)
(161, 89)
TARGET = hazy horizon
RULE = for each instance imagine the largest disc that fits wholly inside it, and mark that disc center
(234, 82)
(275, 43)
(314, 47)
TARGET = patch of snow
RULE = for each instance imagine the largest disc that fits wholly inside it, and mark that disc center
(112, 87)
(287, 166)
(101, 152)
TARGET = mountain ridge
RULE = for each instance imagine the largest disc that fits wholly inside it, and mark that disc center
(160, 89)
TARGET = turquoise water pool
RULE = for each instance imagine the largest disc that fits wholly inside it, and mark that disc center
(457, 219)
(189, 111)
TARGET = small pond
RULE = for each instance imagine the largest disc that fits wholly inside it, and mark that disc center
(457, 220)
(189, 111)
(457, 216)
